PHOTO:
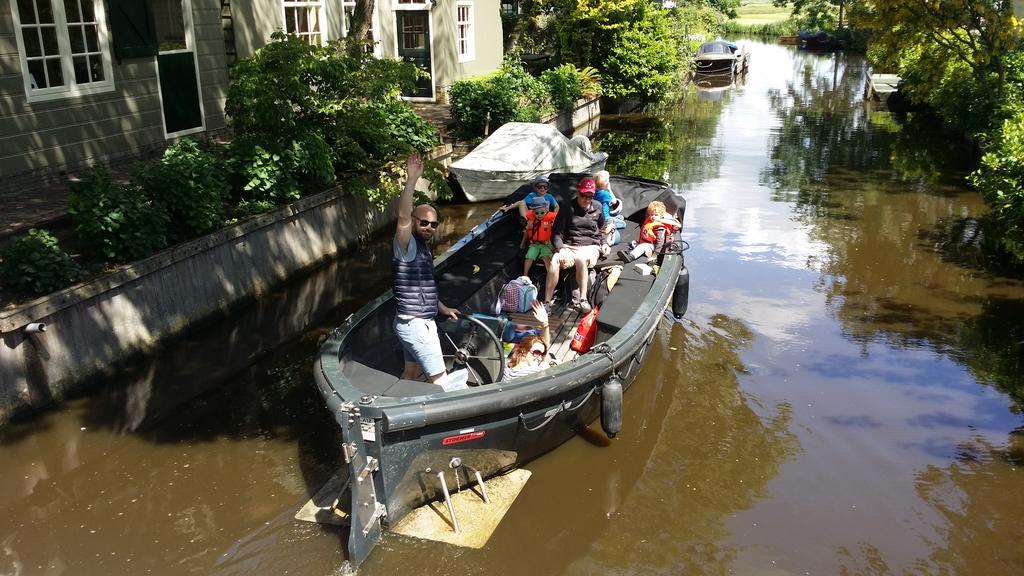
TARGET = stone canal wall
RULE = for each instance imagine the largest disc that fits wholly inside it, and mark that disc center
(93, 326)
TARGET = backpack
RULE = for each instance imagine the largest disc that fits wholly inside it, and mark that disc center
(516, 295)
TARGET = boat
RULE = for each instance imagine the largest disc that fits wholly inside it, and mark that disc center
(518, 153)
(789, 40)
(819, 41)
(404, 443)
(720, 56)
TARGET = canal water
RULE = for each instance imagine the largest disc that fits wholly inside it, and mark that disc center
(843, 396)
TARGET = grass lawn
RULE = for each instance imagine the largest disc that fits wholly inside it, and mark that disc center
(758, 12)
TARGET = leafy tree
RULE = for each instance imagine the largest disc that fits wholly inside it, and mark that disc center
(971, 33)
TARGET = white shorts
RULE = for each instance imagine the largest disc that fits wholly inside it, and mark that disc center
(566, 257)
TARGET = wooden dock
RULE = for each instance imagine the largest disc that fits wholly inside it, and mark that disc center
(881, 86)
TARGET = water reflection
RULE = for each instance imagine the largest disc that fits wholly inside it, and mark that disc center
(672, 144)
(719, 449)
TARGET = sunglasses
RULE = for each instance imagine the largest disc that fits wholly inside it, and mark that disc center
(432, 223)
(537, 353)
(541, 186)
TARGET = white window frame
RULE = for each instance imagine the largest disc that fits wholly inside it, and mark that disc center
(190, 46)
(374, 24)
(424, 5)
(70, 88)
(321, 10)
(470, 53)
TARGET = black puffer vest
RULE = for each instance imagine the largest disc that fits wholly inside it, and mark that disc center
(415, 287)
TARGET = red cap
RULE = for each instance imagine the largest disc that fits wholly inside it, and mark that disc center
(587, 185)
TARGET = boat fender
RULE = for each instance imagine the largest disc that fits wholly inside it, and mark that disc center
(611, 406)
(681, 294)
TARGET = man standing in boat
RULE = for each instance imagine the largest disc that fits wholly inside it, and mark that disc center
(412, 267)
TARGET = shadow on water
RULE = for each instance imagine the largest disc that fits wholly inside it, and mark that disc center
(198, 452)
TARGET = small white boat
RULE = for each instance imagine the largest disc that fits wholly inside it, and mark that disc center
(519, 153)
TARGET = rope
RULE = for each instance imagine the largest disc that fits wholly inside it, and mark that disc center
(565, 406)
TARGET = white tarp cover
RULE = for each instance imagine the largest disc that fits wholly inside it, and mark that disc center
(522, 147)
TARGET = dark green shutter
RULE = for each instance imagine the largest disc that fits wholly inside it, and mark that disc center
(133, 27)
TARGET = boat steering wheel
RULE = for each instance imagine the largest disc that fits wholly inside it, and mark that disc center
(469, 342)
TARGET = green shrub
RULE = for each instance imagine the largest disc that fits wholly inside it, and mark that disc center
(639, 59)
(509, 95)
(302, 114)
(565, 85)
(1000, 179)
(118, 222)
(247, 208)
(190, 185)
(33, 263)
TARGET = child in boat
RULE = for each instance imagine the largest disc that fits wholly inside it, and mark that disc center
(610, 205)
(530, 354)
(655, 234)
(540, 221)
(540, 190)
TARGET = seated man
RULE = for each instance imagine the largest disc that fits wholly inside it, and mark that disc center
(412, 266)
(580, 231)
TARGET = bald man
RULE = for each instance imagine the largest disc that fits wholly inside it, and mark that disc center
(412, 266)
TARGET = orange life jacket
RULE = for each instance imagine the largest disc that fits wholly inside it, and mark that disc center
(649, 230)
(540, 229)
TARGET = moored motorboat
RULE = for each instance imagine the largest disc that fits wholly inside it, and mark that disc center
(518, 153)
(720, 56)
(405, 442)
(819, 41)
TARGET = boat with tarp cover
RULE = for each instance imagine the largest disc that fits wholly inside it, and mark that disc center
(405, 442)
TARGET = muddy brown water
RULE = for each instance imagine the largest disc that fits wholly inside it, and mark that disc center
(842, 397)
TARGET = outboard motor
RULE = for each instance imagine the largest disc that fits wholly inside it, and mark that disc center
(611, 406)
(681, 294)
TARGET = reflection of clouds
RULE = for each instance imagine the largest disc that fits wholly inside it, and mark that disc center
(763, 233)
(780, 319)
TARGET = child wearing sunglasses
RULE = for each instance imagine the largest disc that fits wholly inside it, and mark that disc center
(540, 191)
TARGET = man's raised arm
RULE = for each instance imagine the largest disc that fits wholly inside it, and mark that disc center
(403, 232)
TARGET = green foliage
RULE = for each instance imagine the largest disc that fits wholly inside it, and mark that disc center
(190, 185)
(788, 27)
(639, 59)
(33, 263)
(247, 208)
(118, 222)
(564, 84)
(640, 49)
(302, 114)
(931, 39)
(1000, 179)
(483, 104)
(567, 83)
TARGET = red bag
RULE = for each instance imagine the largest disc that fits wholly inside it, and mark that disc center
(586, 332)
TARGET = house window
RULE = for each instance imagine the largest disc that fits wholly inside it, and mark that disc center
(509, 7)
(169, 20)
(464, 30)
(63, 47)
(305, 19)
